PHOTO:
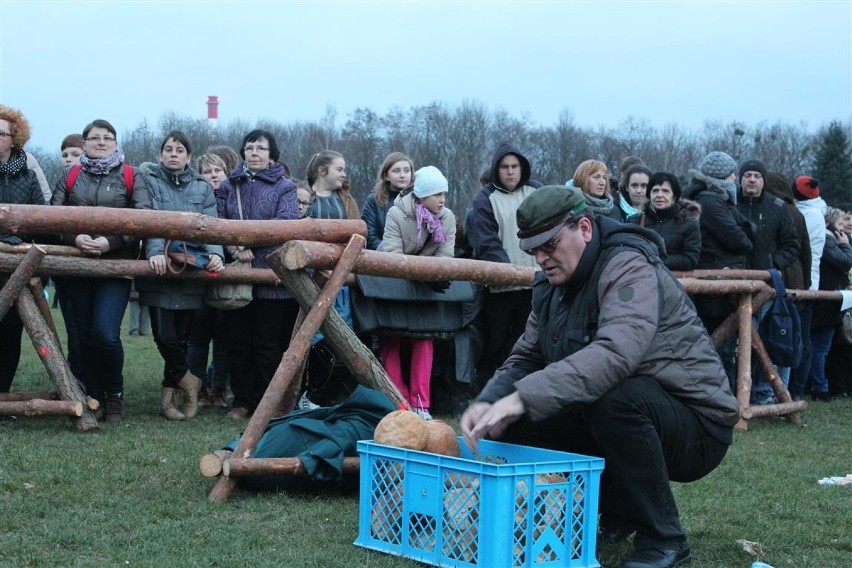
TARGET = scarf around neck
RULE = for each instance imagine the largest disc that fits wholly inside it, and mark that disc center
(628, 209)
(433, 225)
(599, 205)
(16, 164)
(102, 166)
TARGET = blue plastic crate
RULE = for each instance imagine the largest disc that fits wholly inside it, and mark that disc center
(507, 506)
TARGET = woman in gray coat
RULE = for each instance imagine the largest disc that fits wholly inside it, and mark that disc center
(172, 303)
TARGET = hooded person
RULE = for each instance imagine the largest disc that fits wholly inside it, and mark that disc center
(813, 207)
(493, 235)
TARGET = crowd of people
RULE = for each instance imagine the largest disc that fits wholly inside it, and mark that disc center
(604, 354)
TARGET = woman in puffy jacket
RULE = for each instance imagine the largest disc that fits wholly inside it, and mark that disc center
(101, 180)
(258, 334)
(675, 219)
(174, 186)
(17, 185)
(395, 176)
(417, 224)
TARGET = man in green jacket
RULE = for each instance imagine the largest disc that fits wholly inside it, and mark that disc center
(615, 363)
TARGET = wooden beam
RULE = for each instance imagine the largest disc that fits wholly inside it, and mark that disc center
(39, 407)
(236, 467)
(23, 271)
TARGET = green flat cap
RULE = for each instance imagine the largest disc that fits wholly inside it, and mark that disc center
(542, 214)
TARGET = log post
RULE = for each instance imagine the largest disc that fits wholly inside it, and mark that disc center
(37, 290)
(210, 465)
(39, 407)
(43, 219)
(21, 396)
(19, 278)
(47, 346)
(744, 360)
(290, 363)
(237, 467)
(297, 255)
(291, 393)
(781, 409)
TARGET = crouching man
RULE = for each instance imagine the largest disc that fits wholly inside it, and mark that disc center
(615, 363)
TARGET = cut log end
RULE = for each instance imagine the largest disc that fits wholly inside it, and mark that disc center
(210, 465)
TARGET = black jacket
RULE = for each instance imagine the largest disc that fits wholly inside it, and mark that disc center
(20, 188)
(678, 225)
(775, 241)
(834, 269)
(725, 234)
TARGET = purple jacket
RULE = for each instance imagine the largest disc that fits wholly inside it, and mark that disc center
(265, 196)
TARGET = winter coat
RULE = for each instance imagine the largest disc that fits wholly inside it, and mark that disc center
(21, 188)
(107, 190)
(185, 192)
(339, 205)
(679, 227)
(375, 216)
(813, 211)
(725, 235)
(266, 195)
(797, 276)
(834, 269)
(622, 314)
(494, 227)
(775, 243)
(401, 231)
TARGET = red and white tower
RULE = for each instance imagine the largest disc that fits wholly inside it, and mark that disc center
(212, 111)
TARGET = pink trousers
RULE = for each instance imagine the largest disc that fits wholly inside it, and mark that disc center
(417, 394)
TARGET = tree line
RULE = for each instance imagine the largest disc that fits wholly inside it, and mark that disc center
(459, 141)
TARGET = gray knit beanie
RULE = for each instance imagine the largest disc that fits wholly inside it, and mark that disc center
(717, 165)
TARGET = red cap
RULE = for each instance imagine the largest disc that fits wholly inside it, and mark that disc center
(807, 187)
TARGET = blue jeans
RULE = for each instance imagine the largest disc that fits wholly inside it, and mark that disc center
(820, 344)
(98, 307)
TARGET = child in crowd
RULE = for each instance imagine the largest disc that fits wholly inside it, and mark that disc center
(417, 224)
(326, 174)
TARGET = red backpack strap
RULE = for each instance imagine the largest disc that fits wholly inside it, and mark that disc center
(72, 178)
(128, 179)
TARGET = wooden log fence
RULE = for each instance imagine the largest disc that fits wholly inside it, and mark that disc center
(314, 244)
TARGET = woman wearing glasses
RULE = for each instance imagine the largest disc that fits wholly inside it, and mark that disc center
(17, 185)
(101, 180)
(258, 190)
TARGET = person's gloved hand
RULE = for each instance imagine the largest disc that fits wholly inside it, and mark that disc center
(439, 286)
(11, 239)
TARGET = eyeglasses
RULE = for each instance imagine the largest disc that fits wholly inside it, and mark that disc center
(258, 149)
(99, 139)
(550, 245)
(304, 203)
(5, 134)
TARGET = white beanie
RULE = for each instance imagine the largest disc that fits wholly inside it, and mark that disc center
(429, 181)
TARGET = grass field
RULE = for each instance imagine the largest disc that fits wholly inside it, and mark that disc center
(131, 495)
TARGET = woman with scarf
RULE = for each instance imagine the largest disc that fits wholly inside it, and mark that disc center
(258, 334)
(593, 180)
(98, 304)
(632, 187)
(395, 176)
(417, 224)
(17, 185)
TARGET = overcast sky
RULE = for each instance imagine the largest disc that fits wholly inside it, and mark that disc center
(67, 62)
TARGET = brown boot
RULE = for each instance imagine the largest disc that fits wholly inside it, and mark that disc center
(217, 398)
(189, 386)
(167, 405)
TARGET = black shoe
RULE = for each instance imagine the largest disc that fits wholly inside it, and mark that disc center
(658, 558)
(114, 408)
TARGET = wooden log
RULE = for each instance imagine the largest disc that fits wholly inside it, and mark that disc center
(357, 357)
(210, 465)
(297, 255)
(291, 393)
(41, 219)
(726, 274)
(39, 407)
(37, 289)
(744, 360)
(780, 409)
(771, 372)
(22, 395)
(23, 271)
(695, 286)
(107, 268)
(236, 467)
(728, 327)
(290, 363)
(47, 346)
(23, 248)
